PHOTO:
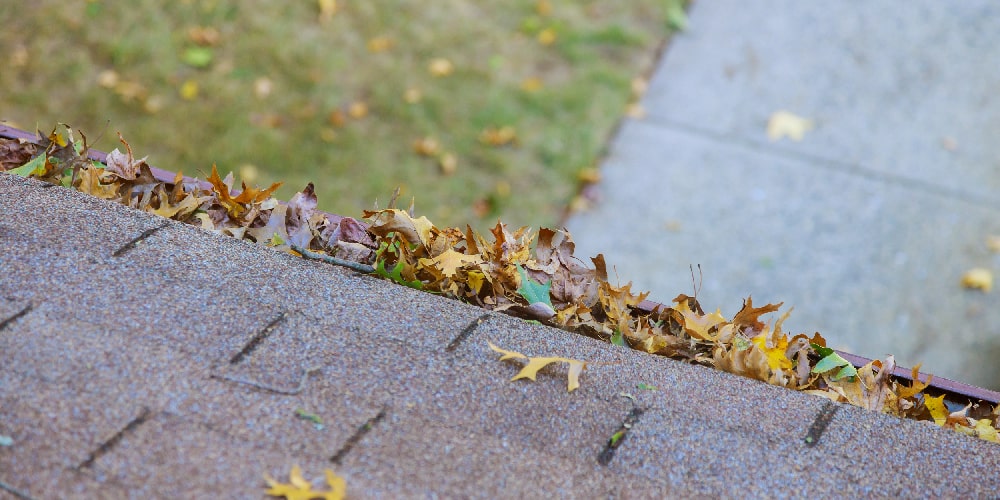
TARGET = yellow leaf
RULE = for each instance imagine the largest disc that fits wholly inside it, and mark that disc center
(440, 67)
(937, 408)
(358, 109)
(698, 326)
(298, 488)
(506, 354)
(327, 8)
(476, 279)
(427, 146)
(530, 370)
(379, 44)
(983, 430)
(533, 84)
(776, 358)
(189, 90)
(979, 277)
(916, 386)
(547, 36)
(501, 136)
(785, 124)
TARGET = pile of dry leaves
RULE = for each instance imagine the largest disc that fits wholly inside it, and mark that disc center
(504, 271)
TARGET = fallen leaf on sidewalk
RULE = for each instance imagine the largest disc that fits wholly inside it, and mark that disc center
(979, 278)
(785, 124)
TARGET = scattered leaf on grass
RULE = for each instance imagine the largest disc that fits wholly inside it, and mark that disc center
(547, 36)
(448, 163)
(978, 278)
(498, 136)
(379, 44)
(197, 57)
(530, 370)
(426, 146)
(785, 124)
(532, 84)
(298, 488)
(189, 90)
(327, 8)
(440, 67)
(412, 95)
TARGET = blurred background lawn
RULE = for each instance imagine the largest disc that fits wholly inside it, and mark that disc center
(477, 109)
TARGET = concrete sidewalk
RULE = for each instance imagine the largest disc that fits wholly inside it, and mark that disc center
(867, 224)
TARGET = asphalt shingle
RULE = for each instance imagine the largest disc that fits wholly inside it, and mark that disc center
(176, 368)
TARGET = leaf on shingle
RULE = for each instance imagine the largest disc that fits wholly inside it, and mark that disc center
(298, 488)
(530, 370)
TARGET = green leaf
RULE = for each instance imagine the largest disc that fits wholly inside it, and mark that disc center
(646, 387)
(831, 360)
(618, 339)
(276, 240)
(396, 275)
(198, 57)
(34, 167)
(533, 291)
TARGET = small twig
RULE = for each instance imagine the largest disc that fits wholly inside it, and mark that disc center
(357, 266)
(276, 390)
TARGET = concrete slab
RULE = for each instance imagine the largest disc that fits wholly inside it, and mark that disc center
(865, 226)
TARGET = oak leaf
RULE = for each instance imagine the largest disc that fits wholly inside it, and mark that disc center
(535, 364)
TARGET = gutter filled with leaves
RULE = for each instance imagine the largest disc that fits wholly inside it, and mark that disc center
(508, 272)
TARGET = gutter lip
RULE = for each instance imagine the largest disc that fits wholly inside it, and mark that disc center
(954, 391)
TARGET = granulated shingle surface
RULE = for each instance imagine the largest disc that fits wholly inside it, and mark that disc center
(175, 370)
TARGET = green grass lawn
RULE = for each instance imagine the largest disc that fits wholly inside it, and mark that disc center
(276, 91)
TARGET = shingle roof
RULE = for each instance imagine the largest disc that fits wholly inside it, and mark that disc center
(124, 370)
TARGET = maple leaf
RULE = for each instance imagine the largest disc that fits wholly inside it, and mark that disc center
(91, 182)
(530, 370)
(451, 261)
(698, 325)
(748, 315)
(298, 488)
(937, 409)
(774, 350)
(983, 429)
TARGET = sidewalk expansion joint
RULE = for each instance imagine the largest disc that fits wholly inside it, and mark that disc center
(616, 440)
(257, 339)
(106, 446)
(466, 332)
(357, 436)
(135, 241)
(819, 424)
(5, 323)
